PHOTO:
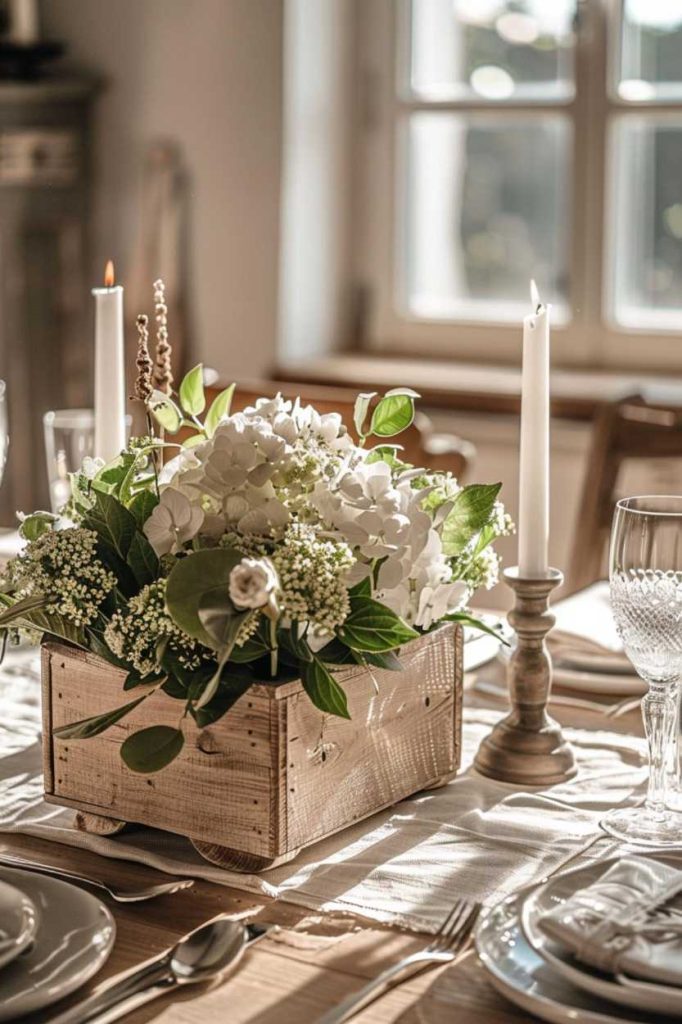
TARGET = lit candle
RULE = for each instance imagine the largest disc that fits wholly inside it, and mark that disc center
(110, 425)
(534, 463)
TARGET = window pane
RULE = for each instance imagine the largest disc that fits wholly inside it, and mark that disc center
(651, 51)
(647, 221)
(492, 49)
(487, 209)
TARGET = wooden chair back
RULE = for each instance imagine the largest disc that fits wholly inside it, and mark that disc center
(422, 445)
(628, 429)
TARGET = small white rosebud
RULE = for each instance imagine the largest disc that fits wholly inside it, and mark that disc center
(253, 583)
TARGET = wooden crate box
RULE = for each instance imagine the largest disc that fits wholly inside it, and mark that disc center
(273, 775)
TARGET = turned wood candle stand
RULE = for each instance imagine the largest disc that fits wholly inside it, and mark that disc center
(527, 746)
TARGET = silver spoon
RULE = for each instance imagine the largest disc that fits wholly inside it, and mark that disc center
(149, 892)
(202, 955)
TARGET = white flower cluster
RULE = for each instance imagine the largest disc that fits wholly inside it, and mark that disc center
(383, 521)
(63, 566)
(313, 574)
(134, 635)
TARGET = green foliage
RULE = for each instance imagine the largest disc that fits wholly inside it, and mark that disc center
(165, 412)
(322, 688)
(34, 526)
(142, 506)
(151, 749)
(360, 410)
(373, 627)
(220, 408)
(465, 619)
(88, 727)
(192, 396)
(394, 413)
(471, 510)
(202, 579)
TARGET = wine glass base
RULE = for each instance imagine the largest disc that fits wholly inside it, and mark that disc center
(640, 827)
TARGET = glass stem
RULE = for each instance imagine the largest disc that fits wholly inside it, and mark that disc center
(658, 711)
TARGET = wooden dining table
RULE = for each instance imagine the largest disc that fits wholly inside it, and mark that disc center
(310, 961)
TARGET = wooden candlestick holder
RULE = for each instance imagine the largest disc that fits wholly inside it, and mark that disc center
(527, 747)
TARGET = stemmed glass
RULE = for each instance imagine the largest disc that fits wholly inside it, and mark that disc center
(646, 597)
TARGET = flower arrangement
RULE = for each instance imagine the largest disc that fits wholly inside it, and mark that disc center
(270, 545)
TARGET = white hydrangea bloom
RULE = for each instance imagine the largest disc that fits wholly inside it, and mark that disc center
(384, 519)
(173, 522)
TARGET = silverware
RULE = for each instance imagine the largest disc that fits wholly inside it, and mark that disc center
(609, 710)
(201, 956)
(450, 941)
(116, 893)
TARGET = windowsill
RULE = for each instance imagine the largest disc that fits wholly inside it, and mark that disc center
(446, 384)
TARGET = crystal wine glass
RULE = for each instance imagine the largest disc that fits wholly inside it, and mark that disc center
(645, 567)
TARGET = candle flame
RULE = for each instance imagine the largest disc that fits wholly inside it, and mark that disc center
(109, 276)
(535, 299)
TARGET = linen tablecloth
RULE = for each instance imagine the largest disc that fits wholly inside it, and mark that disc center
(474, 837)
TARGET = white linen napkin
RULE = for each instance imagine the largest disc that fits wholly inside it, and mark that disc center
(627, 922)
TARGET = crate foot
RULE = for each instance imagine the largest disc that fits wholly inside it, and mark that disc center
(237, 860)
(98, 824)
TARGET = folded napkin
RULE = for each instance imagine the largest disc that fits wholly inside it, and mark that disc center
(628, 922)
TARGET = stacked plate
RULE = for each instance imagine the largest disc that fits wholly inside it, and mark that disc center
(587, 653)
(544, 978)
(53, 938)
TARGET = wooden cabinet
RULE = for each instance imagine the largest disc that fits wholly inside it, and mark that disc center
(45, 350)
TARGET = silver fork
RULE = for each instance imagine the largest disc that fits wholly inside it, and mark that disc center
(449, 942)
(120, 895)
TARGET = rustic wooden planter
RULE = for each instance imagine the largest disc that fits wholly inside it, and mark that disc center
(272, 776)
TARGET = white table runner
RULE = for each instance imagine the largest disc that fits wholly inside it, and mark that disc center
(474, 837)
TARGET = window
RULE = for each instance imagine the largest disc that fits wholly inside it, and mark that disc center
(508, 139)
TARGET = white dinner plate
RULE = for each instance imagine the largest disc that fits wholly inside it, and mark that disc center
(644, 995)
(74, 938)
(18, 922)
(517, 971)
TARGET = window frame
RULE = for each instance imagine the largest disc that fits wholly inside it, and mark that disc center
(591, 338)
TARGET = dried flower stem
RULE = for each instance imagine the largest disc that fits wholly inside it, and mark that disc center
(163, 375)
(145, 367)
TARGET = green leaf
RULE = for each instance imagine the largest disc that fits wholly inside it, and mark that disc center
(394, 413)
(34, 526)
(470, 620)
(93, 726)
(363, 588)
(192, 397)
(323, 690)
(360, 410)
(220, 408)
(221, 621)
(470, 512)
(151, 749)
(113, 523)
(296, 644)
(383, 659)
(387, 453)
(194, 440)
(336, 653)
(201, 577)
(110, 477)
(371, 626)
(142, 506)
(233, 684)
(142, 560)
(55, 625)
(165, 412)
(20, 608)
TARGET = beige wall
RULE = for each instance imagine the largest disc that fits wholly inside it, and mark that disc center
(207, 74)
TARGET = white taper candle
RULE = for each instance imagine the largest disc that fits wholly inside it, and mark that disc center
(534, 461)
(110, 399)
